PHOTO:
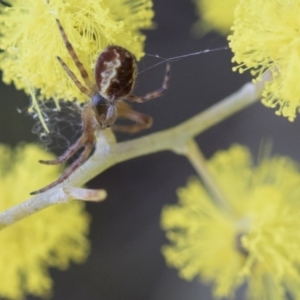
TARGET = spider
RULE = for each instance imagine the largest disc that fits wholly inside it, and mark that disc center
(115, 74)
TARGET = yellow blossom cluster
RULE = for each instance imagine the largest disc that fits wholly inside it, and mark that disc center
(257, 242)
(31, 41)
(215, 15)
(266, 38)
(52, 238)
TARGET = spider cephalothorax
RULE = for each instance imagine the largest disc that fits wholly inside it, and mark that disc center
(115, 74)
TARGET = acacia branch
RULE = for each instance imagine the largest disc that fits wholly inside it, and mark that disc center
(108, 153)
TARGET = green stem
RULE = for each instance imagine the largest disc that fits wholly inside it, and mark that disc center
(109, 153)
(195, 156)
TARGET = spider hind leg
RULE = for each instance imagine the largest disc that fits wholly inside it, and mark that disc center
(74, 56)
(81, 87)
(155, 94)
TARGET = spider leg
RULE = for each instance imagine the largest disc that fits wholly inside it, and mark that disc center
(75, 165)
(155, 94)
(125, 111)
(74, 56)
(81, 87)
(68, 153)
(87, 140)
(87, 129)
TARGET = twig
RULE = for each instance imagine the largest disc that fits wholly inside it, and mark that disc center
(109, 153)
(195, 156)
(62, 195)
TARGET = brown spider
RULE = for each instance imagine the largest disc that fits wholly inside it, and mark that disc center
(115, 74)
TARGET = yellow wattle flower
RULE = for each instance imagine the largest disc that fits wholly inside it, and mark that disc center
(266, 37)
(31, 41)
(257, 244)
(54, 237)
(215, 15)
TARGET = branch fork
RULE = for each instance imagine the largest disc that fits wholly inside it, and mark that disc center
(108, 153)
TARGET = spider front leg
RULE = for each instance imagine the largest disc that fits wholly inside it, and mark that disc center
(155, 94)
(75, 165)
(67, 154)
(86, 140)
(125, 111)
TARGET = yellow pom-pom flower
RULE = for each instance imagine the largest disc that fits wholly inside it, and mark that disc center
(31, 41)
(215, 15)
(51, 238)
(265, 37)
(257, 243)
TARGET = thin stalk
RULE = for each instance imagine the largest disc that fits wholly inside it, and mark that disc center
(195, 156)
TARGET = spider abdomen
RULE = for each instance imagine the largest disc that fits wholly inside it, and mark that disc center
(115, 73)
